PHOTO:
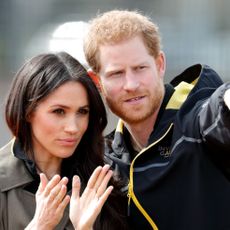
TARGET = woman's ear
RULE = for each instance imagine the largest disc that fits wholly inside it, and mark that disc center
(28, 118)
(95, 78)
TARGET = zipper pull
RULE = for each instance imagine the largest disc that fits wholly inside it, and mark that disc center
(129, 195)
(128, 210)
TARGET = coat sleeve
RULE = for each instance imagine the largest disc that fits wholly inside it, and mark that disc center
(3, 211)
(214, 119)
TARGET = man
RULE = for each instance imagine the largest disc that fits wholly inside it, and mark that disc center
(172, 142)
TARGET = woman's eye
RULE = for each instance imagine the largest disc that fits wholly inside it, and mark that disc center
(59, 111)
(83, 111)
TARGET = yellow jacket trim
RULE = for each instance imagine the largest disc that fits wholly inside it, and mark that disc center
(180, 95)
(131, 194)
(120, 126)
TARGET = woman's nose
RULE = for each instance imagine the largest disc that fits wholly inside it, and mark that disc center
(71, 125)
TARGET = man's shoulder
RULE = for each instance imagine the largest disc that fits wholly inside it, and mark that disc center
(108, 141)
(199, 75)
(110, 136)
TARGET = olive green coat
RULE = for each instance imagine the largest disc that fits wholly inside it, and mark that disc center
(17, 206)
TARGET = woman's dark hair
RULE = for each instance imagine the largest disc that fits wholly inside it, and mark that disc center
(39, 77)
(36, 79)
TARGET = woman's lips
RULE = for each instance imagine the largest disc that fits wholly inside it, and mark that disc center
(67, 141)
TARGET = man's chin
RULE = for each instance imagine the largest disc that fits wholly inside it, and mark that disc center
(130, 117)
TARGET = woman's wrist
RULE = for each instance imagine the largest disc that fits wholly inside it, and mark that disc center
(227, 98)
(82, 228)
(34, 225)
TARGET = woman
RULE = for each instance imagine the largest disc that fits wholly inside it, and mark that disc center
(57, 118)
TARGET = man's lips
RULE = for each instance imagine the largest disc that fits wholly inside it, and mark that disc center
(134, 99)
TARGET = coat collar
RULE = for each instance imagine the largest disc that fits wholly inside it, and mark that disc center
(13, 172)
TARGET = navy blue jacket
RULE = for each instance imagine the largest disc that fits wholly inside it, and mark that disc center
(181, 180)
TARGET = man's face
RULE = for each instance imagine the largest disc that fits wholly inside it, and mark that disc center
(131, 80)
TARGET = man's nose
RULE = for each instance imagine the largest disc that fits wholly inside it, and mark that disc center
(131, 82)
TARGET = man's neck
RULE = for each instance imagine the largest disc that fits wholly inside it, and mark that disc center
(141, 131)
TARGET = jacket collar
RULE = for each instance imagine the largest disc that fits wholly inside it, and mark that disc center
(13, 172)
(119, 144)
(199, 76)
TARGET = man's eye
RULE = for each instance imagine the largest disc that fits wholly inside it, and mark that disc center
(141, 67)
(116, 74)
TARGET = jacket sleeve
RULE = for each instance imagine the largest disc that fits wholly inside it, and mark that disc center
(214, 120)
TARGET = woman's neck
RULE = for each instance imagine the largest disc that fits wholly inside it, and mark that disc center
(49, 167)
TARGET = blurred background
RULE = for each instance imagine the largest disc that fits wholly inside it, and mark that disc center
(193, 31)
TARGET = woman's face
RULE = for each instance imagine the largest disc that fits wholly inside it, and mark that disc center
(59, 122)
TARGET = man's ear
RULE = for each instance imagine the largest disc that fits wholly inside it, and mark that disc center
(95, 79)
(161, 64)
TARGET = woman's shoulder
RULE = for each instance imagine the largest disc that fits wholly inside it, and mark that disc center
(7, 159)
(6, 152)
(13, 172)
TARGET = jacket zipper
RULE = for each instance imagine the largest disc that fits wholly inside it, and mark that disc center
(131, 194)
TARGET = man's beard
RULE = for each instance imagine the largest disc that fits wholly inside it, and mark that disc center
(140, 113)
